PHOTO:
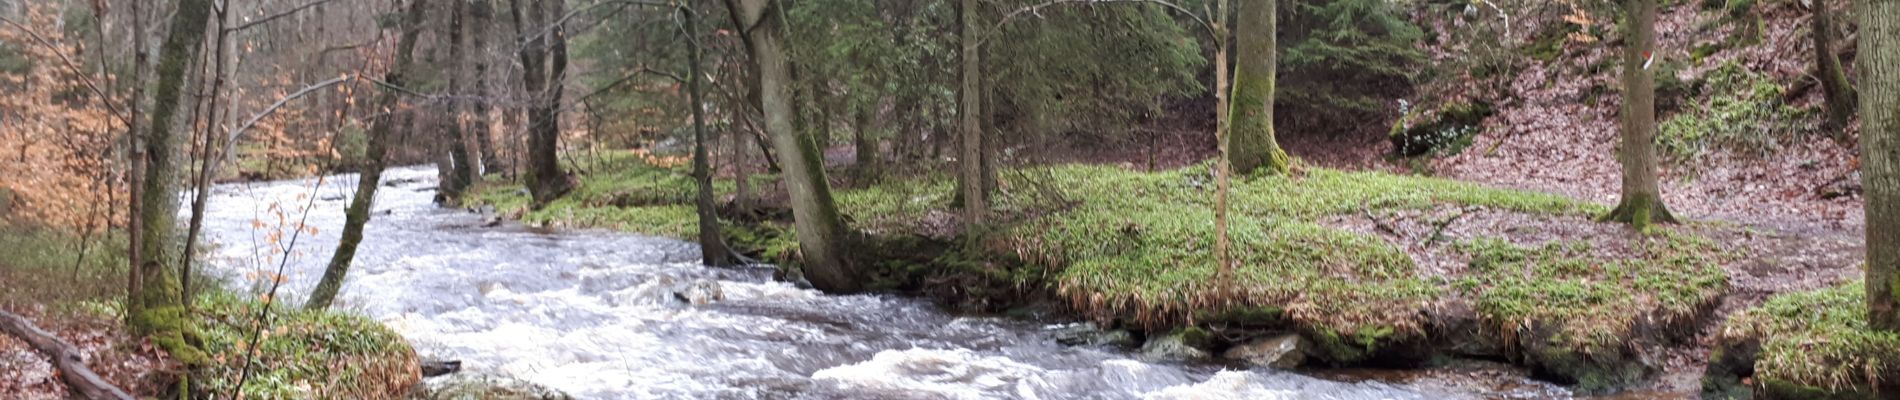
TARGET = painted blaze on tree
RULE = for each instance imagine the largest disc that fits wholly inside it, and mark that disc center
(1642, 202)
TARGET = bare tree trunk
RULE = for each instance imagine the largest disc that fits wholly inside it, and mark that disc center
(1642, 198)
(970, 119)
(821, 231)
(544, 63)
(865, 167)
(464, 170)
(1250, 140)
(1879, 65)
(1840, 93)
(483, 14)
(357, 215)
(156, 308)
(1223, 171)
(712, 245)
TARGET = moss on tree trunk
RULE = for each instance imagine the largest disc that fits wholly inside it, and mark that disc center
(357, 215)
(1250, 142)
(156, 307)
(1841, 101)
(820, 229)
(1642, 203)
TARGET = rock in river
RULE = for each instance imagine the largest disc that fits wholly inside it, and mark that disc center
(1283, 352)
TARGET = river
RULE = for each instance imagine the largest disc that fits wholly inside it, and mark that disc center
(593, 314)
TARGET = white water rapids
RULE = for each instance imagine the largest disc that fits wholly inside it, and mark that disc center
(592, 313)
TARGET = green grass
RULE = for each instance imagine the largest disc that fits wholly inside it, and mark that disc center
(1138, 246)
(1594, 302)
(1818, 342)
(42, 266)
(624, 193)
(302, 354)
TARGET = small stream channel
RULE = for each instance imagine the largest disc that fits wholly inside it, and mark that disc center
(593, 314)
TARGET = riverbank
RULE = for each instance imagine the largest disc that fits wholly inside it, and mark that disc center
(297, 353)
(1370, 269)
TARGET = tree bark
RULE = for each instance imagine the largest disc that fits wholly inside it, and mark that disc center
(1840, 93)
(865, 167)
(1879, 65)
(1642, 202)
(463, 163)
(970, 119)
(543, 64)
(1223, 169)
(65, 358)
(488, 157)
(156, 307)
(821, 231)
(712, 245)
(357, 215)
(1250, 139)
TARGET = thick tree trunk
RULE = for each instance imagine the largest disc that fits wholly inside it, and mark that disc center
(543, 61)
(821, 231)
(1250, 141)
(970, 119)
(1879, 65)
(156, 307)
(712, 245)
(464, 164)
(1841, 100)
(1642, 202)
(357, 215)
(488, 157)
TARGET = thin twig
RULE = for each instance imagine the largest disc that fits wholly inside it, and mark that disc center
(286, 13)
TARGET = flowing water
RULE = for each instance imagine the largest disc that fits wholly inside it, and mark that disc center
(594, 314)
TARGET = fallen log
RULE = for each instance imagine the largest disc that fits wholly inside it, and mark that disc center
(66, 359)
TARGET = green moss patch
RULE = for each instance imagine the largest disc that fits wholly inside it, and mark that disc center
(1583, 317)
(1137, 246)
(300, 353)
(624, 192)
(1813, 345)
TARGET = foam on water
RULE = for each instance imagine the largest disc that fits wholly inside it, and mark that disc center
(593, 314)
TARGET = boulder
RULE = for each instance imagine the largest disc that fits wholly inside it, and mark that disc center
(483, 387)
(1181, 345)
(1284, 351)
(1089, 334)
(700, 292)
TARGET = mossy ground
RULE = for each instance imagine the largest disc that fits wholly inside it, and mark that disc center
(304, 354)
(301, 353)
(1584, 318)
(1811, 345)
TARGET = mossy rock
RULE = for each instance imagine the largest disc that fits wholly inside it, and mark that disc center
(1446, 130)
(1592, 370)
(1367, 345)
(483, 387)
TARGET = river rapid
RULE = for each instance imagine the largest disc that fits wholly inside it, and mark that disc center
(594, 314)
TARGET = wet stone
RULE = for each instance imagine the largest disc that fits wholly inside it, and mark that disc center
(1283, 351)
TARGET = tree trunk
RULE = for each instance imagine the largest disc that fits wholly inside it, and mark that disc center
(1223, 171)
(465, 169)
(865, 167)
(357, 215)
(1642, 198)
(1840, 92)
(156, 308)
(65, 358)
(970, 119)
(1250, 142)
(712, 245)
(489, 158)
(821, 231)
(543, 63)
(1879, 65)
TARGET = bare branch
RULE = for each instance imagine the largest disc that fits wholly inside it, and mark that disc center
(286, 13)
(81, 73)
(1037, 9)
